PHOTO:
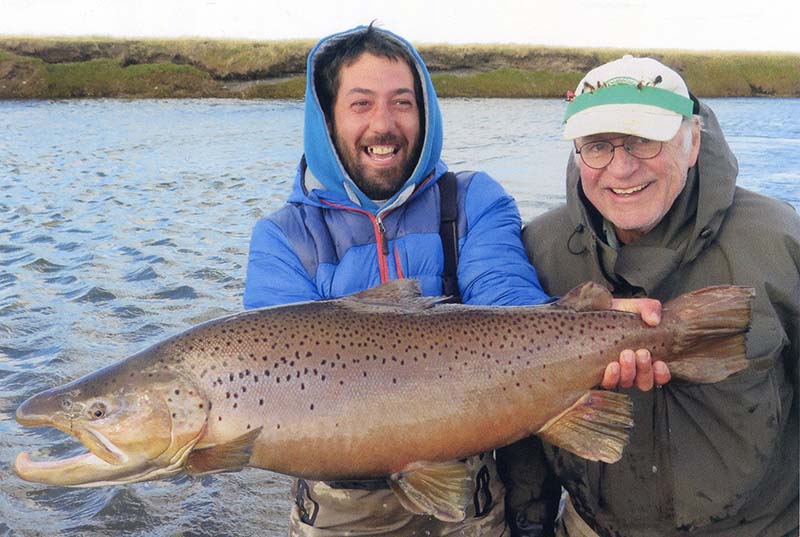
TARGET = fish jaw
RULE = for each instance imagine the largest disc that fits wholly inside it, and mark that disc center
(145, 432)
(86, 470)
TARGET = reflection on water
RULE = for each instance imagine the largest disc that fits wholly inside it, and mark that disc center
(123, 222)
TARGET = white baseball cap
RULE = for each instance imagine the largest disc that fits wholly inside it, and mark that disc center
(639, 96)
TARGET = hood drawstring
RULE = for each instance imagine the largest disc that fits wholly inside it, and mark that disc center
(578, 229)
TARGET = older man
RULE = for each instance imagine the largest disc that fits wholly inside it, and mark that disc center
(653, 210)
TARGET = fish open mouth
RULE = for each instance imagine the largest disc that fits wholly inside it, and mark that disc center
(83, 469)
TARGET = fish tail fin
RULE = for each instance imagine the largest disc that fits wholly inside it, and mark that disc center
(710, 345)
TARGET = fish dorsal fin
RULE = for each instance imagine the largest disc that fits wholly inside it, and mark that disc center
(394, 296)
(229, 457)
(440, 489)
(596, 427)
(588, 296)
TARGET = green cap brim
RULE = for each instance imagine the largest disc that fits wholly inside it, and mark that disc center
(629, 94)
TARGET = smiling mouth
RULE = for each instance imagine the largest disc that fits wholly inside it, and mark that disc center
(382, 152)
(629, 191)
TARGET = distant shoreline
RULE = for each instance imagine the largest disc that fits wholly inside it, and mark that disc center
(64, 68)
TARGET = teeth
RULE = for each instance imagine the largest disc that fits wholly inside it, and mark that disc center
(623, 191)
(381, 149)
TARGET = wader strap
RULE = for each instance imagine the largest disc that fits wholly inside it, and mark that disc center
(448, 231)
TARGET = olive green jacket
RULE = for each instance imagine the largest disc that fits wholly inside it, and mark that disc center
(716, 459)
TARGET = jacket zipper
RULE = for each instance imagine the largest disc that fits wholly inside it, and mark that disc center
(381, 242)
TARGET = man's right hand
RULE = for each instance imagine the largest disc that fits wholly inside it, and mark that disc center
(635, 368)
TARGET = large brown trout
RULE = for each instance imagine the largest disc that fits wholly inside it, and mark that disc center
(383, 383)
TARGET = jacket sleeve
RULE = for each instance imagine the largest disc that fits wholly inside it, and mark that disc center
(275, 274)
(493, 268)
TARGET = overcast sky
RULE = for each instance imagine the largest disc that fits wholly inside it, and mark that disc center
(635, 24)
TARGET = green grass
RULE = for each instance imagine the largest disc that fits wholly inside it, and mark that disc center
(292, 88)
(505, 83)
(103, 67)
(107, 78)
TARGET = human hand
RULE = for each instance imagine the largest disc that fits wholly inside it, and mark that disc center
(635, 369)
(648, 308)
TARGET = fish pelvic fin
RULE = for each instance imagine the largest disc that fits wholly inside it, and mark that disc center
(709, 343)
(587, 296)
(596, 427)
(229, 457)
(440, 489)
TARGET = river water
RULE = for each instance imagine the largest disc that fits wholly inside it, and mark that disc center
(124, 222)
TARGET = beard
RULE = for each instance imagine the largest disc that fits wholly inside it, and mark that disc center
(377, 183)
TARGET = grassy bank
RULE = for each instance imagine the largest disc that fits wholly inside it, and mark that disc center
(45, 68)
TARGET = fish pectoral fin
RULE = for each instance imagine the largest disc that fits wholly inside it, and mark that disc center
(595, 427)
(229, 457)
(588, 296)
(440, 489)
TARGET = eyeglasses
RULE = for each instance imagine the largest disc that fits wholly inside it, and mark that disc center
(600, 153)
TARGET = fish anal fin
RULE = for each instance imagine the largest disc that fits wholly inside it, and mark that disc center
(440, 489)
(229, 457)
(587, 296)
(596, 427)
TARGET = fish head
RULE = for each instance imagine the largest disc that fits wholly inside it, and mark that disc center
(140, 429)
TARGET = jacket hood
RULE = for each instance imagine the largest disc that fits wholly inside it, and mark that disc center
(692, 223)
(326, 170)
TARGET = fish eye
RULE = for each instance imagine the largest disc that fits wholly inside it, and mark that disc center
(97, 411)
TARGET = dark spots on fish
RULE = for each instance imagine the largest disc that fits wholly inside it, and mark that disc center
(261, 402)
(235, 405)
(200, 406)
(174, 415)
(219, 418)
(322, 378)
(312, 406)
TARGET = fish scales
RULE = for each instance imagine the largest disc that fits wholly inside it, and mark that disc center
(326, 381)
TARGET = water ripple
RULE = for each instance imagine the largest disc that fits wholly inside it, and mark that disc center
(123, 222)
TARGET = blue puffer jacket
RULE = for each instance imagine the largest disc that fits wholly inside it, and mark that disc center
(331, 240)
